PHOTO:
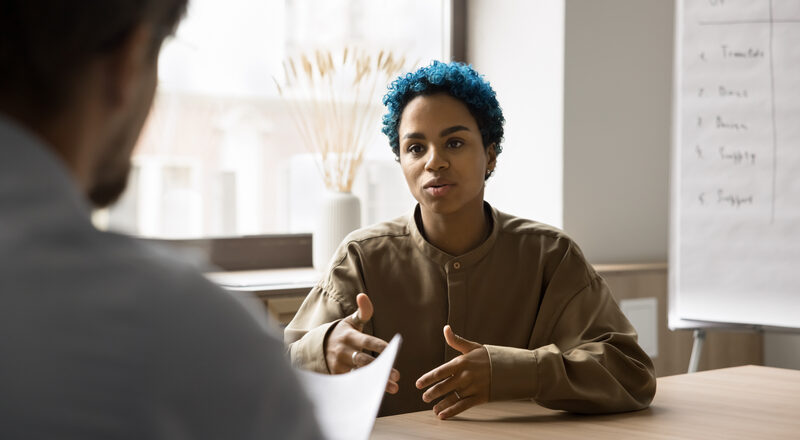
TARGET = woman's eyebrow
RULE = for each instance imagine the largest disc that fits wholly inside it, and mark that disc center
(445, 132)
(414, 135)
(452, 129)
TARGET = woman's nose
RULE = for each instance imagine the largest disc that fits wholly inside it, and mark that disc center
(436, 160)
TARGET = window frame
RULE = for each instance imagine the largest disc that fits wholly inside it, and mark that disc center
(279, 251)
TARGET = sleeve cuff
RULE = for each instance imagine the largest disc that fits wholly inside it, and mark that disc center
(308, 353)
(514, 373)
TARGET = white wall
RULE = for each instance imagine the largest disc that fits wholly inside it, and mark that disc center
(606, 66)
(617, 89)
(782, 350)
(586, 89)
(617, 101)
(519, 47)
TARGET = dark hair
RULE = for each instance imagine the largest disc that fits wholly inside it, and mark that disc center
(458, 80)
(46, 44)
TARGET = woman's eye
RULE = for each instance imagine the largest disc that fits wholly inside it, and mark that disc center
(455, 143)
(415, 149)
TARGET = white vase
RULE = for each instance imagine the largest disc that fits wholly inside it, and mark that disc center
(339, 214)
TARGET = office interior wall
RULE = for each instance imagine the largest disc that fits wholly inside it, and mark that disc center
(782, 350)
(617, 104)
(722, 349)
(610, 62)
(519, 47)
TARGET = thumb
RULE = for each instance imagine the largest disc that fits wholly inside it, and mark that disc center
(457, 342)
(364, 312)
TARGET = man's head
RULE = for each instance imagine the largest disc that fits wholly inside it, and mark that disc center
(455, 79)
(82, 75)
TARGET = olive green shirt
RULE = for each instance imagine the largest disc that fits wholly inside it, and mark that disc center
(553, 331)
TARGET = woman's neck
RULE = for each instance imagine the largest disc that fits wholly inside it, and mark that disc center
(456, 233)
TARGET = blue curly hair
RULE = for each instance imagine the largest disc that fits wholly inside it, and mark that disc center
(458, 80)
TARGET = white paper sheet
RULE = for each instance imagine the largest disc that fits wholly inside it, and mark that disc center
(736, 202)
(346, 404)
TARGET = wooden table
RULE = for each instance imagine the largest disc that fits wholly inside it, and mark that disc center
(732, 403)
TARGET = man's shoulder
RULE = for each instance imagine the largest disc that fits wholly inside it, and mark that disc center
(108, 270)
(163, 276)
(180, 305)
(145, 264)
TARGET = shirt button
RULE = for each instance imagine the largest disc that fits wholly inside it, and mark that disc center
(457, 265)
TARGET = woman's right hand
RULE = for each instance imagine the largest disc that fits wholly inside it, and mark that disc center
(345, 346)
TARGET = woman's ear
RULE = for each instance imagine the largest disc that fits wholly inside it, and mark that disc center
(491, 158)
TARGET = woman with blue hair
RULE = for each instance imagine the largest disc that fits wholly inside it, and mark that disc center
(522, 312)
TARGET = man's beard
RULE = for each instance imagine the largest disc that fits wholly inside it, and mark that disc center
(113, 166)
(109, 186)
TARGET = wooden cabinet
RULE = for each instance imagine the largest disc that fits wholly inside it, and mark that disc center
(721, 349)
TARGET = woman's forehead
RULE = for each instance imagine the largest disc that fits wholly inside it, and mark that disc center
(435, 112)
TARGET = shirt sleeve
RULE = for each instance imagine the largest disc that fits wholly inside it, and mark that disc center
(583, 355)
(328, 303)
(306, 334)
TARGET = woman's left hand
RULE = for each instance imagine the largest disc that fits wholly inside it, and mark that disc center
(464, 381)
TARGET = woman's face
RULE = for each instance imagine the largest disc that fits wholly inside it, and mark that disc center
(442, 154)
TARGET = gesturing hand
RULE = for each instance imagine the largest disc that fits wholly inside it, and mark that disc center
(343, 348)
(464, 381)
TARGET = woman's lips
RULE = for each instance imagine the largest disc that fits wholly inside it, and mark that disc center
(439, 190)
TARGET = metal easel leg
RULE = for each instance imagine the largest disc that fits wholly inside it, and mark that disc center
(697, 349)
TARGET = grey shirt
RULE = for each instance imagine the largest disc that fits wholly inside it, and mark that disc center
(102, 338)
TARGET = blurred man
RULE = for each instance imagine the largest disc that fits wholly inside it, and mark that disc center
(99, 338)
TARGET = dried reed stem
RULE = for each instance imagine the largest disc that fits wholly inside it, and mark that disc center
(332, 113)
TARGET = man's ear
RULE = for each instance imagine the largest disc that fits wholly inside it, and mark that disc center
(124, 67)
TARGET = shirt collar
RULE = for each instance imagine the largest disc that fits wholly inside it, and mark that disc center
(31, 168)
(443, 258)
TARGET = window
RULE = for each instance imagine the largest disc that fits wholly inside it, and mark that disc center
(219, 154)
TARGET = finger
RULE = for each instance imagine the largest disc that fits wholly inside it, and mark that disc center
(447, 402)
(442, 388)
(366, 342)
(359, 359)
(458, 407)
(457, 342)
(439, 373)
(362, 359)
(391, 385)
(346, 359)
